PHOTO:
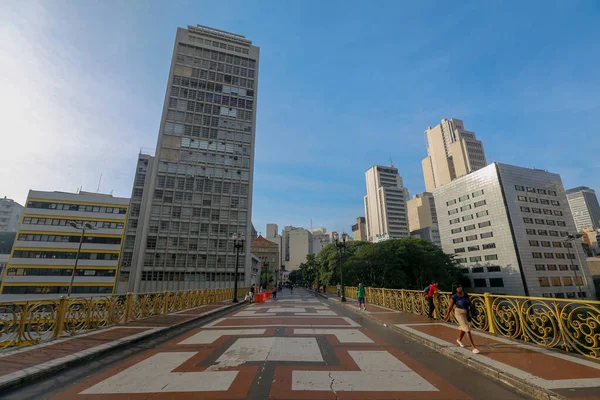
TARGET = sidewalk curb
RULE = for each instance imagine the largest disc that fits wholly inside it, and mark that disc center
(521, 385)
(22, 378)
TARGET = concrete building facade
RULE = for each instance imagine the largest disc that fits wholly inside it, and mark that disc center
(385, 204)
(584, 207)
(10, 215)
(198, 192)
(508, 227)
(43, 255)
(359, 230)
(452, 152)
(422, 218)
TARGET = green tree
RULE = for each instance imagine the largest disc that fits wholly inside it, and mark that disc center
(295, 277)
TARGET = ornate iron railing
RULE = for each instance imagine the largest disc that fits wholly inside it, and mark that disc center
(29, 322)
(567, 324)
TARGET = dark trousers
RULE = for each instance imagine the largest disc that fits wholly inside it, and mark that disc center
(431, 306)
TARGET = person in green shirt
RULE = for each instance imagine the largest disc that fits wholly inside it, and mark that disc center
(360, 295)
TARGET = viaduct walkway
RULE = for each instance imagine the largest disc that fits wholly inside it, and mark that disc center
(299, 346)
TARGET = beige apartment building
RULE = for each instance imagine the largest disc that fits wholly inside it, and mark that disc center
(359, 229)
(422, 218)
(452, 152)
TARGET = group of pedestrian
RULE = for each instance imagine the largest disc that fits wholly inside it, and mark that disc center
(464, 310)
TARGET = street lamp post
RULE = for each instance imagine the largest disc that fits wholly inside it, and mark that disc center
(238, 243)
(341, 245)
(570, 239)
(81, 227)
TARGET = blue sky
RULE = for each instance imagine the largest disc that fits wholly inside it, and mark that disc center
(343, 85)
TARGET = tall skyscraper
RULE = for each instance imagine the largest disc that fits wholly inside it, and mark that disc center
(385, 204)
(422, 218)
(509, 229)
(10, 215)
(43, 255)
(452, 152)
(584, 206)
(198, 191)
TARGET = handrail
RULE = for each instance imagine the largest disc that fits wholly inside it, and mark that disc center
(568, 324)
(34, 321)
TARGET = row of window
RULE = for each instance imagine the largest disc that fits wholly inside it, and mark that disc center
(212, 76)
(199, 172)
(492, 268)
(55, 289)
(64, 255)
(68, 239)
(190, 260)
(552, 267)
(465, 197)
(489, 257)
(542, 210)
(76, 207)
(202, 185)
(58, 272)
(561, 256)
(545, 281)
(520, 188)
(191, 276)
(213, 202)
(214, 54)
(65, 222)
(194, 228)
(471, 227)
(469, 238)
(543, 232)
(467, 207)
(539, 201)
(482, 282)
(182, 213)
(569, 295)
(469, 217)
(540, 221)
(545, 243)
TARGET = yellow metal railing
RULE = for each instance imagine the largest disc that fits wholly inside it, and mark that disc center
(29, 322)
(568, 324)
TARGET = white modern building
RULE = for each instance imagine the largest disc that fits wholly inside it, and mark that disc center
(508, 227)
(584, 207)
(385, 204)
(196, 193)
(10, 215)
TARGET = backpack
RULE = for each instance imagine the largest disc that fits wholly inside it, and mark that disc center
(426, 290)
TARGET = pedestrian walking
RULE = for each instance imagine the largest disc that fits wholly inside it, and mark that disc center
(462, 303)
(252, 292)
(360, 295)
(429, 294)
(339, 289)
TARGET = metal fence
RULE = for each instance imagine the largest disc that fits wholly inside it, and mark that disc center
(29, 322)
(567, 324)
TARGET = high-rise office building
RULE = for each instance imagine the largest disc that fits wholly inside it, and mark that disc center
(297, 243)
(509, 229)
(584, 207)
(198, 192)
(452, 152)
(43, 255)
(422, 218)
(385, 204)
(10, 215)
(359, 229)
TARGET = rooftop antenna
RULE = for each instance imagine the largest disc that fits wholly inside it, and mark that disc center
(391, 161)
(99, 180)
(311, 223)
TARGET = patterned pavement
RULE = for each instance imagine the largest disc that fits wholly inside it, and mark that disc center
(296, 347)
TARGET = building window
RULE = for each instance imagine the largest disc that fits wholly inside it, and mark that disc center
(550, 222)
(567, 281)
(465, 207)
(489, 246)
(533, 200)
(544, 281)
(477, 193)
(451, 202)
(574, 267)
(458, 240)
(479, 203)
(542, 232)
(561, 223)
(530, 231)
(553, 233)
(471, 237)
(463, 198)
(453, 211)
(545, 243)
(482, 213)
(548, 255)
(534, 243)
(479, 282)
(551, 267)
(459, 250)
(473, 248)
(493, 268)
(456, 230)
(484, 224)
(475, 259)
(558, 213)
(460, 261)
(487, 235)
(556, 244)
(477, 270)
(491, 257)
(540, 267)
(496, 282)
(469, 227)
(541, 191)
(544, 201)
(536, 254)
(554, 203)
(556, 281)
(539, 221)
(519, 188)
(454, 221)
(521, 198)
(551, 192)
(528, 220)
(525, 209)
(536, 210)
(467, 217)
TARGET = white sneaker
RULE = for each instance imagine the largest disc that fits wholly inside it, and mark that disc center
(476, 351)
(460, 343)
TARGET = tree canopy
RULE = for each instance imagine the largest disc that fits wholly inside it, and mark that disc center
(396, 264)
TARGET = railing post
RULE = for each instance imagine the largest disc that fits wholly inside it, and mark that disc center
(403, 293)
(166, 300)
(128, 307)
(60, 317)
(189, 301)
(436, 303)
(487, 298)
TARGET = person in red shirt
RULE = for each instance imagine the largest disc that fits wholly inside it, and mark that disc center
(433, 287)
